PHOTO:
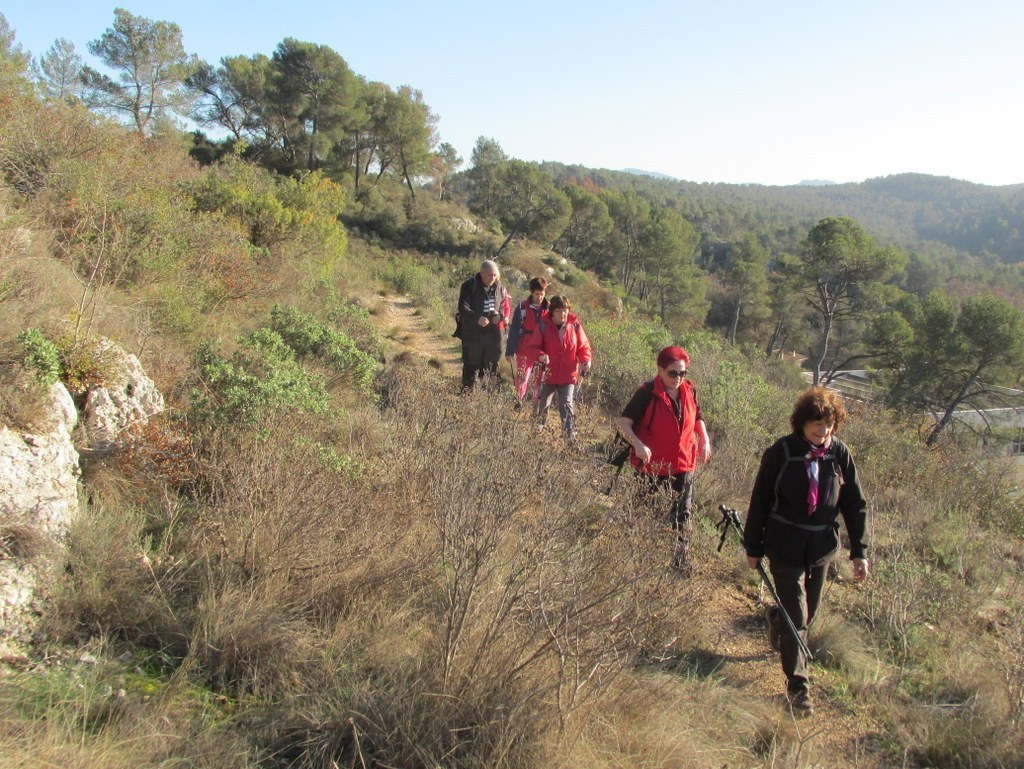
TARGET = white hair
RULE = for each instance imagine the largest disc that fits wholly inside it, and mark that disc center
(490, 264)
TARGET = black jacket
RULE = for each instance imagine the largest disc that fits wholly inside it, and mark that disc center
(778, 525)
(471, 306)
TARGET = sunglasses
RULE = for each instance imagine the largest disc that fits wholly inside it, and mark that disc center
(676, 374)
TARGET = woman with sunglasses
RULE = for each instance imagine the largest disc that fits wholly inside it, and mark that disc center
(663, 425)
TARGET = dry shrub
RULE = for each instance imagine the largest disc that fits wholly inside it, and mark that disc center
(839, 644)
(276, 508)
(25, 403)
(119, 584)
(522, 602)
(251, 643)
(102, 717)
(663, 722)
(22, 539)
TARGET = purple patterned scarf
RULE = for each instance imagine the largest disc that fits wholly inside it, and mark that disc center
(811, 462)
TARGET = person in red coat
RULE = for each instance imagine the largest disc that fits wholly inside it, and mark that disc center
(523, 346)
(664, 426)
(566, 355)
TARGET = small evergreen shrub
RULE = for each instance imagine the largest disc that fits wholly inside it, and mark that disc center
(308, 337)
(40, 355)
(262, 375)
(624, 354)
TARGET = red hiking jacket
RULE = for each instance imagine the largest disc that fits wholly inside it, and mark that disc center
(673, 442)
(566, 351)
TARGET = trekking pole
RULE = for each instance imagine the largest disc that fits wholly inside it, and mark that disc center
(731, 519)
(620, 460)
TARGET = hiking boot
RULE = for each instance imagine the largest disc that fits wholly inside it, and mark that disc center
(771, 614)
(800, 703)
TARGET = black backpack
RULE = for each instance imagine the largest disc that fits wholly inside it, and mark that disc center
(619, 450)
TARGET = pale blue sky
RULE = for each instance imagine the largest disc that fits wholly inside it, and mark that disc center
(728, 91)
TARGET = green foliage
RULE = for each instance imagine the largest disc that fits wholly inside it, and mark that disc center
(150, 65)
(261, 376)
(405, 275)
(338, 461)
(625, 354)
(735, 400)
(40, 355)
(270, 210)
(79, 365)
(307, 336)
(840, 272)
(940, 357)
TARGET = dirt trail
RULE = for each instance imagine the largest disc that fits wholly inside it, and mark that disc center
(398, 320)
(836, 737)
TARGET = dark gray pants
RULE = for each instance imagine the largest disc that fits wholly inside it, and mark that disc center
(800, 589)
(566, 405)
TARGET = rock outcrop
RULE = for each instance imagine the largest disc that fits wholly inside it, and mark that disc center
(129, 398)
(39, 475)
(38, 501)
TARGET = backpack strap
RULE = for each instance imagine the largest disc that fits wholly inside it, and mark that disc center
(788, 458)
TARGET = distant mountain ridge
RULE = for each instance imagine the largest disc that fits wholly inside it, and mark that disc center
(653, 174)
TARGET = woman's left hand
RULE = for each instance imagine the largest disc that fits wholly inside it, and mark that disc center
(861, 569)
(705, 450)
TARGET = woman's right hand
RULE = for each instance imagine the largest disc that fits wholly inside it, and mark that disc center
(643, 453)
(752, 562)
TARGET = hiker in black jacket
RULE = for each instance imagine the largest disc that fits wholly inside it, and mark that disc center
(807, 479)
(481, 317)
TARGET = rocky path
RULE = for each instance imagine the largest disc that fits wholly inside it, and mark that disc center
(836, 736)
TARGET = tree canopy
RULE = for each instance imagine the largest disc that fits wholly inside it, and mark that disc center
(151, 68)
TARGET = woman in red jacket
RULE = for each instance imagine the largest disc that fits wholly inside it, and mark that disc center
(523, 346)
(566, 355)
(664, 426)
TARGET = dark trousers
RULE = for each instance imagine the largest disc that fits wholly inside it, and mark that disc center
(799, 589)
(680, 488)
(480, 356)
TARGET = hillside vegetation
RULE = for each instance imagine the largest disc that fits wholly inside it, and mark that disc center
(322, 555)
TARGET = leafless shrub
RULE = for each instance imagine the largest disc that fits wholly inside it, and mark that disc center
(121, 584)
(524, 603)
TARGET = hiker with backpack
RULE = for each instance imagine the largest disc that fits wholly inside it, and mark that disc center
(566, 355)
(523, 346)
(806, 480)
(480, 319)
(666, 432)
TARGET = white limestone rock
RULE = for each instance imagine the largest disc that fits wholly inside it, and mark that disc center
(129, 398)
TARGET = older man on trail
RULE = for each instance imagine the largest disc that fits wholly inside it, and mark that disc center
(483, 313)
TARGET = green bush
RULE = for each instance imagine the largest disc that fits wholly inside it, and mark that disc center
(262, 375)
(40, 355)
(624, 353)
(308, 337)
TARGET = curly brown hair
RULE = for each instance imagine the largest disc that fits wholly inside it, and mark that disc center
(817, 403)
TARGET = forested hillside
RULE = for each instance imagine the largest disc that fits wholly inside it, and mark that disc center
(323, 554)
(917, 212)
